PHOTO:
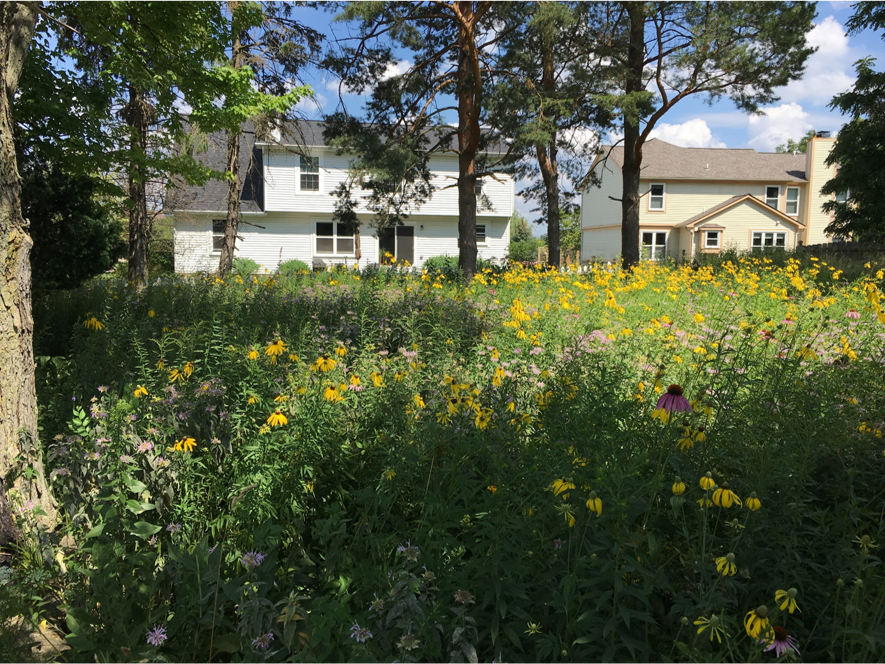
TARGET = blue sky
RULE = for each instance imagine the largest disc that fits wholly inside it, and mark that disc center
(693, 123)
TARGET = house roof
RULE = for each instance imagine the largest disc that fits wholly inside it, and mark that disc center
(665, 161)
(731, 202)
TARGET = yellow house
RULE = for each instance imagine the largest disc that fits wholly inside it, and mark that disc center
(705, 200)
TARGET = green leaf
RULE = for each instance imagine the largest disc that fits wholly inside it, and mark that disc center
(143, 529)
(134, 485)
(95, 532)
(137, 507)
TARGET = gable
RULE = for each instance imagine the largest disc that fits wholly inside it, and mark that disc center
(747, 208)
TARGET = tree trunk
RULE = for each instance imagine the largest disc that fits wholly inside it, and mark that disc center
(632, 142)
(19, 445)
(138, 118)
(231, 227)
(547, 162)
(469, 100)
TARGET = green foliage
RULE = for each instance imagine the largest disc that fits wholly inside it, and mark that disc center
(431, 501)
(570, 240)
(858, 154)
(76, 233)
(292, 267)
(792, 146)
(244, 266)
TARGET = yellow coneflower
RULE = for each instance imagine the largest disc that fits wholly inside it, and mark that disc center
(188, 369)
(594, 503)
(714, 624)
(186, 444)
(92, 323)
(253, 354)
(725, 565)
(175, 375)
(323, 363)
(698, 318)
(293, 357)
(277, 419)
(705, 502)
(561, 486)
(566, 511)
(151, 313)
(685, 443)
(753, 503)
(275, 348)
(418, 401)
(332, 394)
(756, 622)
(252, 399)
(707, 482)
(678, 487)
(377, 379)
(492, 488)
(340, 351)
(388, 474)
(725, 497)
(140, 391)
(787, 599)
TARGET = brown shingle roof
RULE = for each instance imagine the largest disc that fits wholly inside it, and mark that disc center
(665, 161)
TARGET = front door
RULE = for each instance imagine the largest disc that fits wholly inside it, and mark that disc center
(397, 243)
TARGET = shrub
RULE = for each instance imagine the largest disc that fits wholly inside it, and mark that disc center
(244, 266)
(292, 267)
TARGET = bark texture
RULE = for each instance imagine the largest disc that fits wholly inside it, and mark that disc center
(232, 225)
(547, 164)
(469, 106)
(19, 445)
(137, 115)
(632, 140)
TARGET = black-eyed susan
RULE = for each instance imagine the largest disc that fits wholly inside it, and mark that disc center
(594, 503)
(756, 623)
(753, 502)
(787, 600)
(725, 565)
(140, 391)
(725, 497)
(277, 419)
(332, 394)
(714, 624)
(678, 487)
(707, 482)
(275, 349)
(186, 444)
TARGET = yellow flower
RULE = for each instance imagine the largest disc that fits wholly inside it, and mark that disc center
(332, 394)
(293, 357)
(277, 419)
(756, 622)
(560, 486)
(678, 487)
(185, 445)
(705, 502)
(566, 511)
(661, 414)
(533, 628)
(725, 565)
(92, 323)
(492, 488)
(866, 542)
(252, 399)
(698, 318)
(685, 443)
(253, 354)
(140, 391)
(323, 363)
(715, 625)
(175, 375)
(707, 482)
(281, 398)
(725, 497)
(377, 379)
(594, 503)
(787, 599)
(355, 380)
(388, 474)
(753, 503)
(188, 369)
(340, 351)
(276, 348)
(483, 417)
(418, 401)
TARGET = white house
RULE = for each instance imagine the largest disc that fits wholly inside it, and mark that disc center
(287, 204)
(703, 200)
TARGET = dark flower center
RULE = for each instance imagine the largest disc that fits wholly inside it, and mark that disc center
(780, 633)
(675, 390)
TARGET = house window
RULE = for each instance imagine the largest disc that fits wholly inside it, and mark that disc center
(478, 188)
(842, 197)
(768, 239)
(480, 234)
(397, 243)
(218, 234)
(654, 246)
(712, 239)
(310, 173)
(772, 196)
(656, 197)
(792, 201)
(334, 239)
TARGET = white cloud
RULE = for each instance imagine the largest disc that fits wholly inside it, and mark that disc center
(828, 71)
(691, 134)
(776, 125)
(310, 106)
(393, 69)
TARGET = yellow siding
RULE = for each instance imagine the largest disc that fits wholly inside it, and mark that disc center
(597, 205)
(816, 220)
(739, 222)
(685, 199)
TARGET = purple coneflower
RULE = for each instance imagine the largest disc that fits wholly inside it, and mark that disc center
(672, 400)
(852, 313)
(263, 641)
(782, 642)
(156, 636)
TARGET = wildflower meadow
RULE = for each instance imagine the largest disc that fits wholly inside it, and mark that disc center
(677, 463)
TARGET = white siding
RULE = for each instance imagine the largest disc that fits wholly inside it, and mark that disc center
(601, 206)
(282, 191)
(277, 237)
(601, 243)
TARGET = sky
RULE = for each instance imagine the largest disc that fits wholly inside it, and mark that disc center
(694, 123)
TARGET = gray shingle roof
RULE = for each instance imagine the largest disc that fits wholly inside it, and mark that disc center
(734, 200)
(665, 161)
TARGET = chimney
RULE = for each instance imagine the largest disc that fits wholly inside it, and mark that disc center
(822, 134)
